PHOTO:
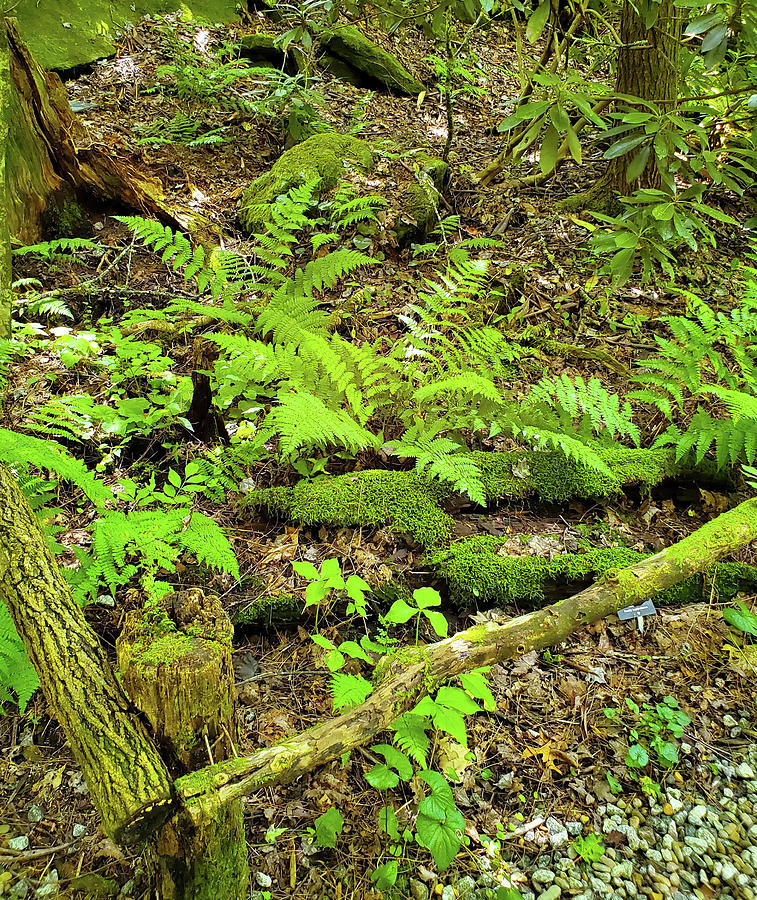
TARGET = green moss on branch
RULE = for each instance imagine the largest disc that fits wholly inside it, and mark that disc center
(477, 574)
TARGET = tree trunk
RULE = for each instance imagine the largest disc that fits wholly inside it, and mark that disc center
(126, 776)
(647, 68)
(6, 298)
(175, 662)
(408, 677)
(49, 152)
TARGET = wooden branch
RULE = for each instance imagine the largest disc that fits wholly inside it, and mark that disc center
(407, 678)
(125, 774)
(6, 298)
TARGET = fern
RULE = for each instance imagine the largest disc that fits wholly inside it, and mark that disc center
(445, 459)
(203, 537)
(60, 245)
(410, 736)
(18, 679)
(304, 421)
(23, 449)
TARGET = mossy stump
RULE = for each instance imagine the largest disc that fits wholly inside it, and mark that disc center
(175, 664)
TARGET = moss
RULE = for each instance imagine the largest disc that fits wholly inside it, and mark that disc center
(409, 504)
(270, 609)
(372, 498)
(378, 64)
(64, 34)
(417, 212)
(152, 650)
(477, 574)
(263, 50)
(556, 479)
(321, 158)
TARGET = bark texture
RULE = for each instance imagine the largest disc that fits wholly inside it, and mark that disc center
(647, 68)
(6, 298)
(50, 149)
(411, 674)
(128, 780)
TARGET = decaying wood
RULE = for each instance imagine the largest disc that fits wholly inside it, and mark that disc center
(412, 673)
(6, 300)
(49, 148)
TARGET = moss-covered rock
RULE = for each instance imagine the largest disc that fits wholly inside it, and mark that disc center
(377, 64)
(410, 505)
(322, 158)
(65, 34)
(477, 574)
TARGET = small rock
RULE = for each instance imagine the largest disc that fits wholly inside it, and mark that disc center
(729, 721)
(19, 843)
(34, 813)
(264, 880)
(448, 893)
(543, 876)
(744, 770)
(79, 830)
(418, 890)
(465, 888)
(573, 828)
(728, 872)
(698, 815)
(552, 893)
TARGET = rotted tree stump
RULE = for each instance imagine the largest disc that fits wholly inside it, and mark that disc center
(175, 664)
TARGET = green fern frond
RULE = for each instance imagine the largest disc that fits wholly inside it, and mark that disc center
(24, 449)
(18, 679)
(410, 736)
(204, 537)
(305, 423)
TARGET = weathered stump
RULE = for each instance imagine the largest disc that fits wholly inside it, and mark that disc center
(175, 663)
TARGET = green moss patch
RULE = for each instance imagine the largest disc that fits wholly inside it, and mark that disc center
(64, 34)
(478, 575)
(377, 64)
(270, 609)
(372, 498)
(321, 158)
(410, 505)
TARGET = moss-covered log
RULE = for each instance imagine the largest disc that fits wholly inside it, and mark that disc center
(411, 505)
(405, 678)
(175, 661)
(478, 575)
(126, 775)
(49, 151)
(377, 65)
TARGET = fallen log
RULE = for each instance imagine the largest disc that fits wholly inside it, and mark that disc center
(404, 679)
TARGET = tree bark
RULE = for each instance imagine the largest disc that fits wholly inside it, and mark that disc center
(403, 681)
(647, 68)
(126, 776)
(49, 149)
(6, 298)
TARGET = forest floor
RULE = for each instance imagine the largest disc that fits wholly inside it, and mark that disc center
(540, 763)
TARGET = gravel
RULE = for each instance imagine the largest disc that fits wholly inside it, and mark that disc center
(678, 846)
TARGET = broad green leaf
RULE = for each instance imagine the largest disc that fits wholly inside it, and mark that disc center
(667, 754)
(396, 759)
(537, 21)
(560, 118)
(328, 827)
(400, 612)
(621, 266)
(742, 619)
(451, 721)
(475, 684)
(442, 839)
(306, 570)
(438, 622)
(638, 163)
(637, 757)
(426, 597)
(355, 651)
(714, 38)
(663, 212)
(382, 778)
(388, 822)
(385, 876)
(574, 145)
(456, 698)
(620, 148)
(440, 803)
(549, 148)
